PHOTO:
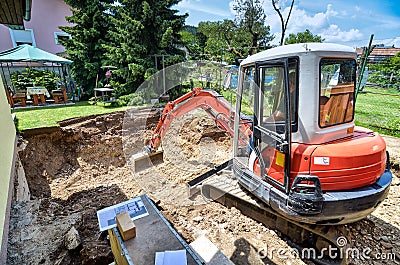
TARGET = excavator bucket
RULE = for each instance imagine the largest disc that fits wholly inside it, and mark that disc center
(143, 160)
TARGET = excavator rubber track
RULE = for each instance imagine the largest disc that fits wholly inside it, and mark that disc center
(224, 188)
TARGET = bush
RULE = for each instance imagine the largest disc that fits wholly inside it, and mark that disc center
(178, 91)
(32, 77)
(134, 99)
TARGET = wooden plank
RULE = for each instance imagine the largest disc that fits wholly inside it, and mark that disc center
(6, 11)
(11, 6)
(120, 256)
(338, 108)
(3, 16)
(19, 11)
(12, 12)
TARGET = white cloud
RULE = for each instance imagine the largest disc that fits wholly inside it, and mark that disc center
(330, 12)
(196, 6)
(231, 5)
(335, 34)
(325, 23)
(389, 42)
(319, 23)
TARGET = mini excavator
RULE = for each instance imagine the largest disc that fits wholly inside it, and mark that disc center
(296, 147)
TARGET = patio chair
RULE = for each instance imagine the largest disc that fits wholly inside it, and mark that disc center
(60, 95)
(15, 98)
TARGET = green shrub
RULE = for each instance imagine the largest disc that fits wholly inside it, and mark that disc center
(33, 77)
(134, 99)
(178, 91)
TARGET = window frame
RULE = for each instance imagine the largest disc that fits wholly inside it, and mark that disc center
(295, 116)
(61, 34)
(14, 41)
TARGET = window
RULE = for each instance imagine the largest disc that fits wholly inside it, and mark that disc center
(273, 92)
(337, 86)
(61, 36)
(245, 106)
(19, 37)
(247, 97)
(272, 85)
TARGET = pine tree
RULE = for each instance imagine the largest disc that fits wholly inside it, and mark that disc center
(90, 24)
(141, 29)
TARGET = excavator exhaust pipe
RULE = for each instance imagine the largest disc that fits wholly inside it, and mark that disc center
(144, 160)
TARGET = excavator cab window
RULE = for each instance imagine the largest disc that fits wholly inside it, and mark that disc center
(337, 86)
(272, 83)
(247, 97)
(245, 107)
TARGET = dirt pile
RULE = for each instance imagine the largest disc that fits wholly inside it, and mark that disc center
(194, 145)
(85, 166)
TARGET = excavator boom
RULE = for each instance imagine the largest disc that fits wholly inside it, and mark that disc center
(216, 106)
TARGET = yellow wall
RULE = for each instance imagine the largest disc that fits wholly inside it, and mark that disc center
(7, 142)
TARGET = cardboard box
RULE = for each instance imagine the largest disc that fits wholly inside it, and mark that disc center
(125, 225)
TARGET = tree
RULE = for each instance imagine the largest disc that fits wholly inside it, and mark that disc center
(250, 20)
(220, 39)
(140, 30)
(284, 22)
(193, 41)
(88, 35)
(386, 72)
(303, 37)
(244, 36)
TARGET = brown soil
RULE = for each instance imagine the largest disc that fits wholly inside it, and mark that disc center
(84, 166)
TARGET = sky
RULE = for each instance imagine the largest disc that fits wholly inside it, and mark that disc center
(348, 22)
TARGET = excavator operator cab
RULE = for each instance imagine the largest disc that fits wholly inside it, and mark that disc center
(268, 92)
(301, 98)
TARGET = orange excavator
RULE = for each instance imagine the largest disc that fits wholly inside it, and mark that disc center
(296, 147)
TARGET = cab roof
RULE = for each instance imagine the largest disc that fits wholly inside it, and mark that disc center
(297, 49)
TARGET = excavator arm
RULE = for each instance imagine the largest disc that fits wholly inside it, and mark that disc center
(211, 102)
(216, 106)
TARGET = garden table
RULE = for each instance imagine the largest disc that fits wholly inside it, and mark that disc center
(36, 93)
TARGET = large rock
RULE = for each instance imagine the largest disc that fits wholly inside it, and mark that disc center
(72, 239)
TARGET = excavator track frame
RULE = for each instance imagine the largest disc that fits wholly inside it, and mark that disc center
(221, 186)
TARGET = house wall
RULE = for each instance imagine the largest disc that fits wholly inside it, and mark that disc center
(7, 153)
(47, 15)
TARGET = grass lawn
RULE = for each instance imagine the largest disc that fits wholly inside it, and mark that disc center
(46, 117)
(379, 110)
